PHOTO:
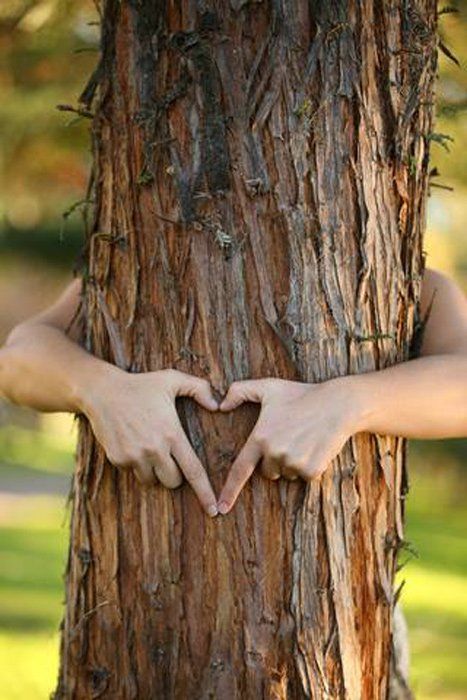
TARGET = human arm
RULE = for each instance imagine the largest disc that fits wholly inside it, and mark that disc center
(302, 427)
(426, 397)
(132, 415)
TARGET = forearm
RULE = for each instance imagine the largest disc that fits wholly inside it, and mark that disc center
(42, 368)
(421, 398)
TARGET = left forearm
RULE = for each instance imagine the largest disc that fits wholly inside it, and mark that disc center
(421, 398)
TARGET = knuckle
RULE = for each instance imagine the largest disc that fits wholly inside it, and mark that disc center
(120, 459)
(195, 475)
(174, 482)
(277, 452)
(170, 436)
(269, 472)
(309, 474)
(262, 440)
(152, 455)
(298, 463)
(138, 456)
(291, 476)
(132, 457)
(165, 433)
(234, 389)
(164, 476)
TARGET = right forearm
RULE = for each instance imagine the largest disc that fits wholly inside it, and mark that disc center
(42, 368)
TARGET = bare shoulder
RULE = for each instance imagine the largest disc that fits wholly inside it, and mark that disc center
(446, 304)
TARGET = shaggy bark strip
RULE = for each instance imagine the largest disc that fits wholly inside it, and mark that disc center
(260, 175)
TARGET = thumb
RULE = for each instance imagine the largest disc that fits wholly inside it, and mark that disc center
(242, 391)
(198, 389)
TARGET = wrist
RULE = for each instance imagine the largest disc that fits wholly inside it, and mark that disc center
(93, 383)
(355, 397)
(367, 400)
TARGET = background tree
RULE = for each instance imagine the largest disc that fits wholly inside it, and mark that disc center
(260, 175)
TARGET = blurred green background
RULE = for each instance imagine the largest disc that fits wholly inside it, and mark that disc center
(48, 49)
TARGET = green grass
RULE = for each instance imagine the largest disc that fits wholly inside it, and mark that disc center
(434, 598)
(33, 533)
(28, 665)
(39, 450)
(33, 538)
(435, 605)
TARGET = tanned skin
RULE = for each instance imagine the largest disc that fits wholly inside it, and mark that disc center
(301, 427)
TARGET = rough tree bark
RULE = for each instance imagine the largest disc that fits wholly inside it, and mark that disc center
(260, 176)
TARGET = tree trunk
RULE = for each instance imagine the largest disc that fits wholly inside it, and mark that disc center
(260, 176)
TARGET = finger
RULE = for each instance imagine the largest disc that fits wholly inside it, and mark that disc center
(195, 473)
(240, 472)
(270, 468)
(295, 465)
(144, 474)
(167, 471)
(316, 467)
(198, 389)
(239, 392)
(289, 473)
(306, 463)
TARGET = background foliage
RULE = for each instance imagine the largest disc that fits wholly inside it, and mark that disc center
(48, 50)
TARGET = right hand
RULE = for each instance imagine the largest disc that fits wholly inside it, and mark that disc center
(134, 418)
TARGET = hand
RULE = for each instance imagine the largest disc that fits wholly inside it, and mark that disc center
(134, 418)
(300, 429)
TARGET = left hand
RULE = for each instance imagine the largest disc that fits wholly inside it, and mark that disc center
(300, 429)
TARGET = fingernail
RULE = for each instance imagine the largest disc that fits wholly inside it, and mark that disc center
(223, 507)
(212, 510)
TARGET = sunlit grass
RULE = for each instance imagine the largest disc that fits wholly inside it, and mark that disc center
(33, 536)
(49, 449)
(33, 539)
(435, 605)
(28, 665)
(33, 549)
(434, 597)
